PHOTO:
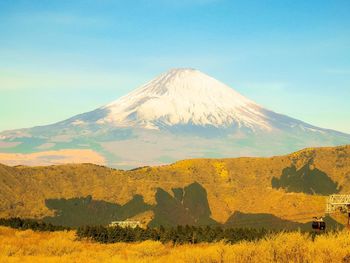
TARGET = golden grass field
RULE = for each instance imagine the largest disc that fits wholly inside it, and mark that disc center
(29, 246)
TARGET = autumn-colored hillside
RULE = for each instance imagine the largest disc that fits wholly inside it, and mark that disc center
(291, 187)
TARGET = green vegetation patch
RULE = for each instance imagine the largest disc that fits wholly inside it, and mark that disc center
(176, 235)
(24, 224)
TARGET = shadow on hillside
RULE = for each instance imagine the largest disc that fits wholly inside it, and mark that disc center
(305, 180)
(271, 222)
(184, 206)
(188, 206)
(86, 211)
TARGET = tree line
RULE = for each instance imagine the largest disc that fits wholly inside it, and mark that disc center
(175, 235)
(32, 224)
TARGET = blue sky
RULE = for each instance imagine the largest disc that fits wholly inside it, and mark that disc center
(61, 58)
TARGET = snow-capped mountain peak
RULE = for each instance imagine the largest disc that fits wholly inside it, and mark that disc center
(181, 97)
(180, 114)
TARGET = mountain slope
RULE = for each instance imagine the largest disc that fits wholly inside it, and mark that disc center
(230, 185)
(182, 113)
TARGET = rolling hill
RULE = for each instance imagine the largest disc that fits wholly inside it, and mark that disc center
(197, 191)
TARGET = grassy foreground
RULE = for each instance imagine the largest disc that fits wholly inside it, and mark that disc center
(62, 246)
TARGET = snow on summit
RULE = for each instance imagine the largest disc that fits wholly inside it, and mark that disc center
(184, 96)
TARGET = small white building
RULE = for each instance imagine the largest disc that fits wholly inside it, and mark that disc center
(126, 223)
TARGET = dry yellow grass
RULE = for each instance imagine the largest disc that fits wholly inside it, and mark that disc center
(29, 246)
